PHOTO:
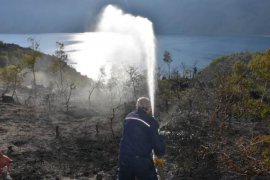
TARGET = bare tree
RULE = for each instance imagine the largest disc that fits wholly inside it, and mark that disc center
(183, 67)
(30, 60)
(134, 79)
(68, 93)
(112, 117)
(187, 72)
(60, 63)
(96, 84)
(175, 73)
(168, 59)
(195, 69)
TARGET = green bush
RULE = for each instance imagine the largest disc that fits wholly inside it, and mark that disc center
(219, 59)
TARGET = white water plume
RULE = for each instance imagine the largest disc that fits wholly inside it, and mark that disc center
(140, 29)
(121, 40)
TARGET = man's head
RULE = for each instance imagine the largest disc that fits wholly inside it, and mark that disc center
(144, 104)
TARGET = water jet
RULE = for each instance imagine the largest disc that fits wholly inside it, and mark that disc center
(140, 29)
(120, 39)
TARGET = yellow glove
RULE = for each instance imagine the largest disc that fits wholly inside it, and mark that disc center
(158, 161)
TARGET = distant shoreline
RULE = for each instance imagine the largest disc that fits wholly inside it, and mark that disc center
(191, 50)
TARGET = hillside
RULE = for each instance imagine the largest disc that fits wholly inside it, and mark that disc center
(14, 54)
(224, 118)
(216, 124)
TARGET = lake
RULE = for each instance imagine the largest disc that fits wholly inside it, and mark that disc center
(190, 50)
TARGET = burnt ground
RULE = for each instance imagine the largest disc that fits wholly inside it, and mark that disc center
(79, 152)
(85, 147)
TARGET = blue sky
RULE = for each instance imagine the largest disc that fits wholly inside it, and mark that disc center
(229, 17)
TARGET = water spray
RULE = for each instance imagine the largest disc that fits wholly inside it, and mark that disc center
(140, 29)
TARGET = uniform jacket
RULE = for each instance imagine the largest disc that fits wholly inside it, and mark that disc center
(140, 136)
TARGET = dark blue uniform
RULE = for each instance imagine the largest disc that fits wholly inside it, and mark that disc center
(140, 137)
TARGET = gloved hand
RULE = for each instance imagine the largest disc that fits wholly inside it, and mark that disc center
(158, 161)
(164, 133)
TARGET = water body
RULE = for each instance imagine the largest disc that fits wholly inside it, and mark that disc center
(190, 50)
(203, 49)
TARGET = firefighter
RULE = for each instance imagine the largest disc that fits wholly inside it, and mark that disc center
(140, 138)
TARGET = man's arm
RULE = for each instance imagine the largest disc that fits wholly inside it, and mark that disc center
(158, 141)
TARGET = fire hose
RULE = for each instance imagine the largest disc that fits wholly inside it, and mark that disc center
(159, 164)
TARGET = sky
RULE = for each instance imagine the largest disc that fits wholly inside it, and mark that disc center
(192, 17)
